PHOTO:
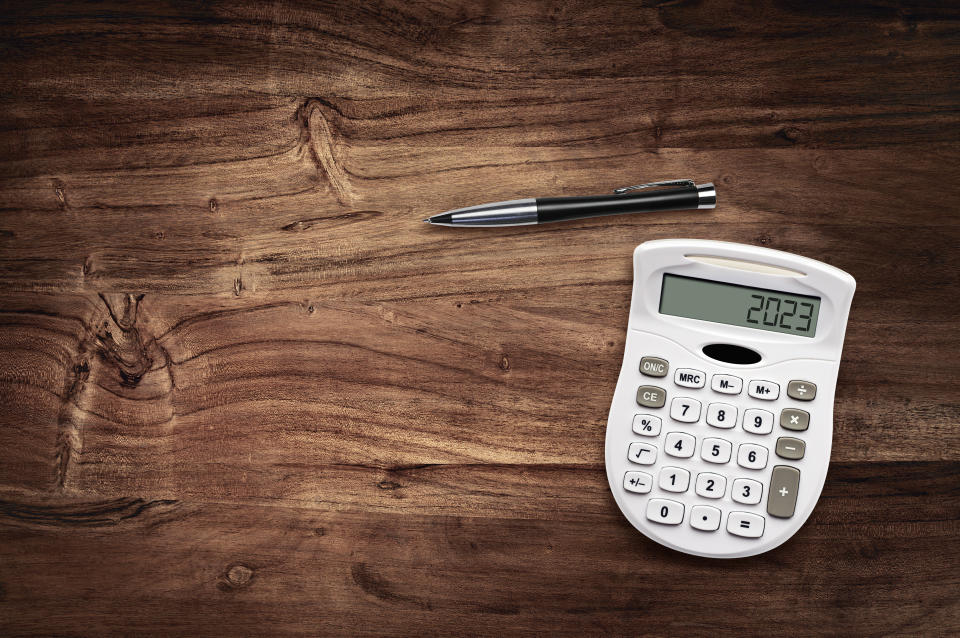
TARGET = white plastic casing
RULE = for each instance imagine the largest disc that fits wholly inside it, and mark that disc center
(784, 357)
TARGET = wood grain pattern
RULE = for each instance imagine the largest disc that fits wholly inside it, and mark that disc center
(245, 390)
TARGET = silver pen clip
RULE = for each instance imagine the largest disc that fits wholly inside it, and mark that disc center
(669, 182)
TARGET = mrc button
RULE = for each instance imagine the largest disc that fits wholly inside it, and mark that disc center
(689, 378)
(654, 366)
(650, 396)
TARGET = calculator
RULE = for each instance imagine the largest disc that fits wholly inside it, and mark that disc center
(719, 433)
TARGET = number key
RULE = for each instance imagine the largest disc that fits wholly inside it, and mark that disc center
(667, 512)
(752, 457)
(715, 450)
(747, 491)
(685, 409)
(757, 421)
(674, 479)
(679, 444)
(722, 415)
(710, 485)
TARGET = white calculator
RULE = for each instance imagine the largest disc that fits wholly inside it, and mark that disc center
(719, 434)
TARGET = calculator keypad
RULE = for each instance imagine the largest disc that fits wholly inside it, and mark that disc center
(742, 482)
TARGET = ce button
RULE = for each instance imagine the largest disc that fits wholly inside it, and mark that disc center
(650, 396)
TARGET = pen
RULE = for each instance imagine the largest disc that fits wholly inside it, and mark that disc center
(682, 194)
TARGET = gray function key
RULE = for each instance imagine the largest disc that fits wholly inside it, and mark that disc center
(650, 396)
(790, 448)
(654, 366)
(782, 497)
(794, 419)
(802, 390)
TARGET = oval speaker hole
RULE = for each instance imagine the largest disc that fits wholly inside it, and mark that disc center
(729, 353)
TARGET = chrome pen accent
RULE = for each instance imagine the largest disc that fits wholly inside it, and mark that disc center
(515, 212)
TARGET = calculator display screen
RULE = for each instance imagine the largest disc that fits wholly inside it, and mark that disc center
(737, 305)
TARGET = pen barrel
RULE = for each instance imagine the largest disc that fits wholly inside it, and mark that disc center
(555, 209)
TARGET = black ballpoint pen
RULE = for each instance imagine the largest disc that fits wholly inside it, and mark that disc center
(682, 194)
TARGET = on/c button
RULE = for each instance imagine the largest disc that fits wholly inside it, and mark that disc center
(654, 366)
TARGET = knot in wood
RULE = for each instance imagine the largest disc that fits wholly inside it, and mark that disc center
(239, 575)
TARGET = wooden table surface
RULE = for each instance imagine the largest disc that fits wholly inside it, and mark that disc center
(245, 391)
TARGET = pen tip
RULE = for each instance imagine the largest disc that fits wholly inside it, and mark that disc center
(426, 221)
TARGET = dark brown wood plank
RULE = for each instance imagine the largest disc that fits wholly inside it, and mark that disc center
(246, 388)
(376, 248)
(670, 75)
(308, 569)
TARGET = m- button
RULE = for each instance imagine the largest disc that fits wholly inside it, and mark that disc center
(650, 396)
(654, 366)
